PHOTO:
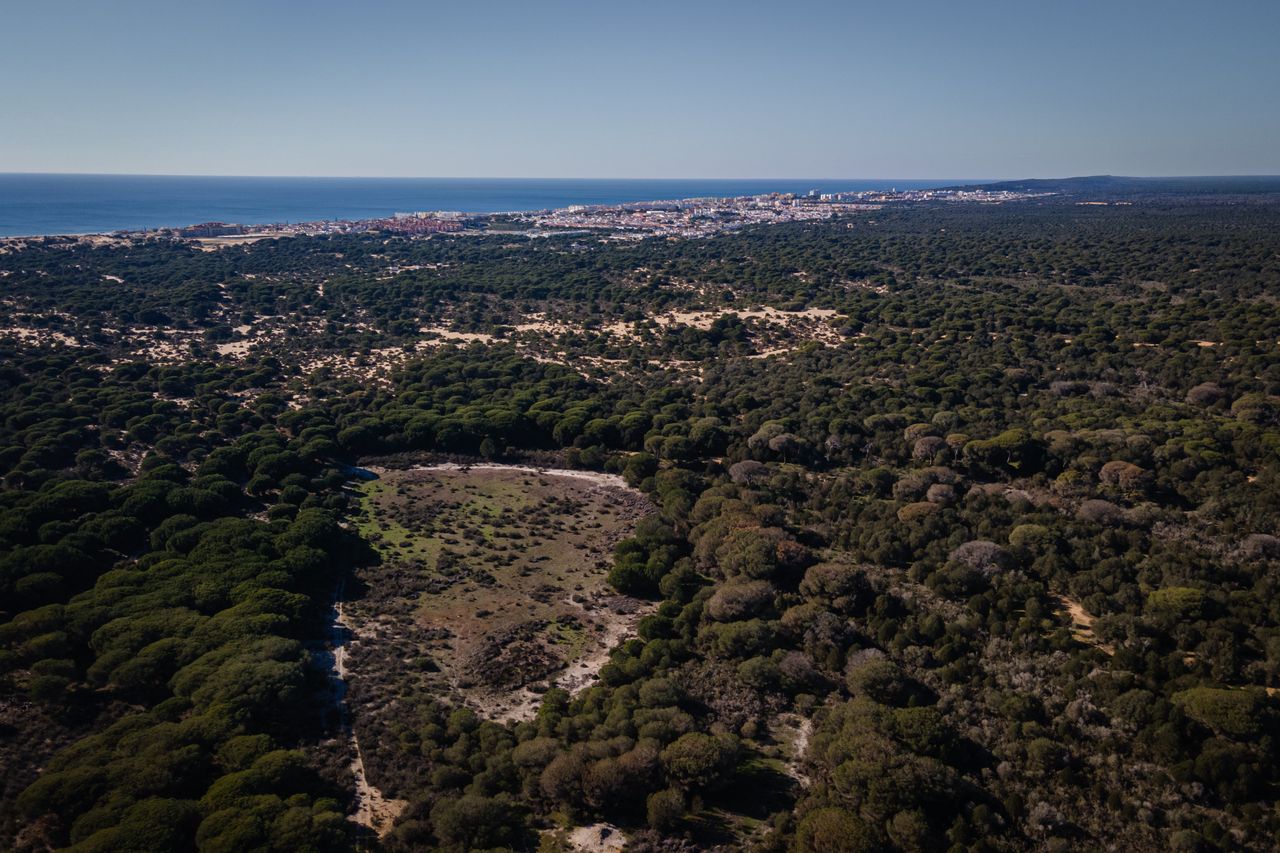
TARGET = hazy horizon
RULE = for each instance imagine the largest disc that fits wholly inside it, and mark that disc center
(638, 178)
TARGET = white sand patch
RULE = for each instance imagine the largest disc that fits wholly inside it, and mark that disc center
(37, 337)
(704, 319)
(1082, 625)
(597, 838)
(239, 349)
(450, 335)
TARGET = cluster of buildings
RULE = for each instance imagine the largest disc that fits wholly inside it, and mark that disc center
(412, 223)
(417, 223)
(700, 217)
(695, 217)
(970, 195)
(421, 222)
(692, 217)
(210, 229)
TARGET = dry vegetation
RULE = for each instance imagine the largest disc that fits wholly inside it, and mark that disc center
(488, 588)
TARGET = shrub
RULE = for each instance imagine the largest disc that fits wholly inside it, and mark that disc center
(700, 761)
(740, 599)
(1206, 394)
(1100, 512)
(473, 822)
(1233, 712)
(834, 830)
(665, 810)
(982, 555)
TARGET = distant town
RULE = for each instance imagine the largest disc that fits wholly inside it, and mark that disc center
(690, 217)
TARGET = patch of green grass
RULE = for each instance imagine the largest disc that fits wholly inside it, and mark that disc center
(573, 637)
(521, 547)
(386, 534)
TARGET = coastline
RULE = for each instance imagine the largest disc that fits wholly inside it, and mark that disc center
(63, 205)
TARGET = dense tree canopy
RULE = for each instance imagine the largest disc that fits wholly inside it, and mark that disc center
(998, 541)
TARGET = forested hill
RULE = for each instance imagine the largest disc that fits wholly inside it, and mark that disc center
(962, 535)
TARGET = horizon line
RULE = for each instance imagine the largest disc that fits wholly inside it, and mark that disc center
(631, 178)
(488, 177)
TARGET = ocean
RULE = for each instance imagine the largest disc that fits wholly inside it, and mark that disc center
(33, 204)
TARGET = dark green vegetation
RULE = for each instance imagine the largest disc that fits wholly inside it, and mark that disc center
(1037, 410)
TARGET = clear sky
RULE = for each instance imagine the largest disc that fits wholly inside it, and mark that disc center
(642, 88)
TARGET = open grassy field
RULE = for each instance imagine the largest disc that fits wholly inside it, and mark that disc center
(489, 586)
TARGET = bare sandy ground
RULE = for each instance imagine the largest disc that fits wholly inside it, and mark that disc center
(795, 731)
(523, 704)
(1082, 625)
(37, 336)
(239, 349)
(597, 838)
(212, 244)
(450, 335)
(704, 319)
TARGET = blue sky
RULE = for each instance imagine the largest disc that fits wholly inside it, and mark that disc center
(642, 89)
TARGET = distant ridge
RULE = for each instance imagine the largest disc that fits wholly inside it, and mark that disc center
(1117, 185)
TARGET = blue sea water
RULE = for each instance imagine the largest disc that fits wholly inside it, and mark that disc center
(89, 204)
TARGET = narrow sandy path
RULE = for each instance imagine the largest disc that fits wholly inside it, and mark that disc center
(795, 731)
(581, 673)
(373, 810)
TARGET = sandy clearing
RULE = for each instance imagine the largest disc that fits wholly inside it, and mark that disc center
(450, 335)
(704, 319)
(1082, 625)
(597, 838)
(212, 244)
(539, 323)
(584, 598)
(38, 336)
(239, 349)
(795, 731)
(770, 353)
